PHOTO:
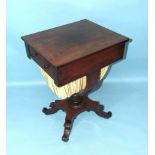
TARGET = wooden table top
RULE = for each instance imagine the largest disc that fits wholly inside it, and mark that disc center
(67, 43)
(74, 50)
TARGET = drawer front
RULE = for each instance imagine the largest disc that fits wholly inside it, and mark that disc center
(43, 63)
(39, 60)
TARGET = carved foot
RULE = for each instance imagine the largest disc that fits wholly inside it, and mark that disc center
(103, 113)
(53, 109)
(68, 125)
(97, 108)
(67, 130)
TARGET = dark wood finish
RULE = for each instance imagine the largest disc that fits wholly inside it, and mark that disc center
(73, 41)
(74, 46)
(73, 111)
(92, 79)
(86, 64)
(72, 51)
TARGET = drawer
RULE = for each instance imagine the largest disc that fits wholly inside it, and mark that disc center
(39, 60)
(43, 63)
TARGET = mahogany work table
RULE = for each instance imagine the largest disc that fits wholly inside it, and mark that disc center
(72, 51)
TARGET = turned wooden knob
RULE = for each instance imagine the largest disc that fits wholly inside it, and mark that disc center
(46, 66)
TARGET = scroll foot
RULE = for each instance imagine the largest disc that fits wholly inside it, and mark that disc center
(102, 113)
(53, 109)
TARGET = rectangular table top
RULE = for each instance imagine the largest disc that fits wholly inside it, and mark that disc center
(67, 43)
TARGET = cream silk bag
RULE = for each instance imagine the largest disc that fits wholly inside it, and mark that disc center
(70, 88)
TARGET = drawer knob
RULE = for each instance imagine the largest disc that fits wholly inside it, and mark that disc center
(35, 54)
(46, 66)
